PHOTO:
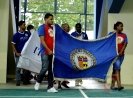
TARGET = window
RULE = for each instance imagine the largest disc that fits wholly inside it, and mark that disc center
(64, 11)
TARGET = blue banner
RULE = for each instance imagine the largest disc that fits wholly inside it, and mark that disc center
(74, 58)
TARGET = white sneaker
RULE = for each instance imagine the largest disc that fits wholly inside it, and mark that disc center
(37, 85)
(52, 90)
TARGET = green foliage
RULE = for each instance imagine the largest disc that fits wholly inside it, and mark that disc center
(64, 11)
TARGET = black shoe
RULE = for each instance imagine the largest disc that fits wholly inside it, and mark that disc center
(64, 84)
(113, 88)
(59, 88)
(26, 82)
(120, 88)
(18, 83)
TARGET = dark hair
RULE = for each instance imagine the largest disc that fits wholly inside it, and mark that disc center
(47, 15)
(30, 27)
(64, 24)
(117, 24)
(20, 23)
(78, 24)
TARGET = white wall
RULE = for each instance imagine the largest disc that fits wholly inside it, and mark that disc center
(125, 16)
(4, 17)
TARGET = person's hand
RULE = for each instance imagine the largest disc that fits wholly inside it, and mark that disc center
(79, 35)
(50, 52)
(120, 53)
(18, 54)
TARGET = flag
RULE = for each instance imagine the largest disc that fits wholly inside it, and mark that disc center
(74, 58)
(30, 58)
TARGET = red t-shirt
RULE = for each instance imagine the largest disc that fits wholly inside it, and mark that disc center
(121, 39)
(49, 37)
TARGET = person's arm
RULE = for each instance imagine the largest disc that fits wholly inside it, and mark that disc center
(14, 49)
(41, 32)
(45, 45)
(124, 46)
(86, 36)
(14, 41)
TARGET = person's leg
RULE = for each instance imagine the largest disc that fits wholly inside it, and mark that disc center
(18, 76)
(113, 79)
(50, 72)
(50, 76)
(64, 84)
(80, 80)
(117, 71)
(26, 74)
(45, 64)
(59, 85)
(121, 61)
(77, 82)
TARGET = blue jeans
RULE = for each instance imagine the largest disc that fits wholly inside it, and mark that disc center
(18, 76)
(46, 65)
(117, 64)
(26, 74)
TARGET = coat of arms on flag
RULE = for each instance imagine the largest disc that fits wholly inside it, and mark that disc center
(82, 59)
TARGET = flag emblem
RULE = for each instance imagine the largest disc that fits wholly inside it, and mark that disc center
(82, 59)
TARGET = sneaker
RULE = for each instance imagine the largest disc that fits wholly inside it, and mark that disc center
(52, 90)
(37, 85)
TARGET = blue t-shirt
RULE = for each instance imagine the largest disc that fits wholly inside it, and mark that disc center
(19, 39)
(83, 35)
(41, 33)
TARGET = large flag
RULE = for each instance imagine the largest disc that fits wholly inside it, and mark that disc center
(74, 58)
(30, 58)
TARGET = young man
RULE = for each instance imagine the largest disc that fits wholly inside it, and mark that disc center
(46, 35)
(81, 36)
(18, 42)
(30, 27)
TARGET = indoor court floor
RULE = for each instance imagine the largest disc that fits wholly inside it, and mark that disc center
(89, 89)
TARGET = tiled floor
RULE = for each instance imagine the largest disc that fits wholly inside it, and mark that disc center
(87, 84)
(89, 89)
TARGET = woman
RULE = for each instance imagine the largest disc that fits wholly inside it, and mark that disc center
(122, 43)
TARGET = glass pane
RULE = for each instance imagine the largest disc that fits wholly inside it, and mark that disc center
(90, 6)
(70, 6)
(35, 19)
(22, 5)
(90, 27)
(40, 5)
(90, 22)
(82, 21)
(22, 16)
(71, 19)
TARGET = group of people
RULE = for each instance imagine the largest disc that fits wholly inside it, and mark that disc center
(45, 32)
